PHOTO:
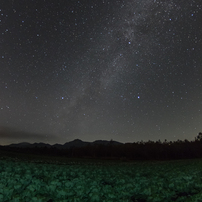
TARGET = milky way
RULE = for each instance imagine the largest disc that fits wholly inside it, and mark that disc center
(122, 70)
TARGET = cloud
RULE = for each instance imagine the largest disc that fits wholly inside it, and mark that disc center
(11, 135)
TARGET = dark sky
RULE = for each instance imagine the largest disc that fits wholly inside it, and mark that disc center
(99, 70)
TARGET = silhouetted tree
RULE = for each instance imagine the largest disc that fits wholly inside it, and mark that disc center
(199, 137)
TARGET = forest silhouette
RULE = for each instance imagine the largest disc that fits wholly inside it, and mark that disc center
(167, 150)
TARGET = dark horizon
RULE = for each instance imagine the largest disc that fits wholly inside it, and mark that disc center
(10, 133)
(110, 150)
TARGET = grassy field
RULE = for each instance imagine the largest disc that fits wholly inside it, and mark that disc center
(26, 177)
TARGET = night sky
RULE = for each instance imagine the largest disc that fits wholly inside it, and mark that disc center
(100, 70)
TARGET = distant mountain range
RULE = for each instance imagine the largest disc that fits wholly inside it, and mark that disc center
(67, 145)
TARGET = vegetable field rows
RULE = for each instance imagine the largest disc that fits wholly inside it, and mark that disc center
(106, 182)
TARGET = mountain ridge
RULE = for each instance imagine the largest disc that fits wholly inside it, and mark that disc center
(67, 145)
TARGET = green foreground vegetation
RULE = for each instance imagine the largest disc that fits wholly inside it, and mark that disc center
(25, 177)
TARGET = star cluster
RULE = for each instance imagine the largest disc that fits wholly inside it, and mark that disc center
(122, 70)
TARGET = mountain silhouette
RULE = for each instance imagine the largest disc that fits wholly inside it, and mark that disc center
(67, 145)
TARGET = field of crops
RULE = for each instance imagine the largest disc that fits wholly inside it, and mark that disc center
(104, 181)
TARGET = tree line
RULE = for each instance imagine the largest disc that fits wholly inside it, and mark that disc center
(150, 150)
